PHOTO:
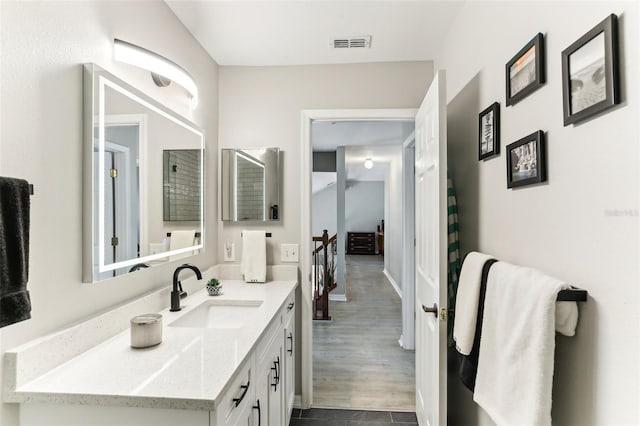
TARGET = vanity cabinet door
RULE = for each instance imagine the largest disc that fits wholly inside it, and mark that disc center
(276, 386)
(289, 362)
(271, 383)
(261, 416)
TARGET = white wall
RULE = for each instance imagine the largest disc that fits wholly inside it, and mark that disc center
(43, 47)
(324, 213)
(393, 217)
(364, 205)
(261, 106)
(568, 226)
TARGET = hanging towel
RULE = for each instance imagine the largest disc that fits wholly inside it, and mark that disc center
(15, 304)
(516, 360)
(254, 256)
(181, 239)
(469, 363)
(566, 318)
(453, 249)
(464, 327)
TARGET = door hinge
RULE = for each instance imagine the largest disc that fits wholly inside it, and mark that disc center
(113, 173)
(114, 241)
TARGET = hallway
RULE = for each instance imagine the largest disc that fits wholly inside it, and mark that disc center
(357, 361)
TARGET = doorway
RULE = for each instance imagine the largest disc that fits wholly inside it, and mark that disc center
(407, 302)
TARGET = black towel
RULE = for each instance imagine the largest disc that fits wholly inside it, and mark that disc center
(15, 305)
(469, 363)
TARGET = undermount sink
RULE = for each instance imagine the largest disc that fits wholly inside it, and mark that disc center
(222, 314)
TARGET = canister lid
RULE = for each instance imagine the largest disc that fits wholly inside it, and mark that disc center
(146, 319)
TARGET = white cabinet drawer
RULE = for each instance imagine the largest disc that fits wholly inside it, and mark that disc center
(273, 331)
(238, 396)
(289, 307)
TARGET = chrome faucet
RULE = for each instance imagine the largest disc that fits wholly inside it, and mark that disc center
(177, 293)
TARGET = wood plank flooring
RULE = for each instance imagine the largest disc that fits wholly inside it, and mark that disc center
(357, 361)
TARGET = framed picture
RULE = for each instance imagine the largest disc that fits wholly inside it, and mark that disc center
(489, 132)
(590, 82)
(525, 72)
(526, 162)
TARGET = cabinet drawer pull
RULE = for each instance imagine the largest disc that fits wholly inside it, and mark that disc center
(291, 305)
(244, 393)
(290, 337)
(276, 378)
(257, 407)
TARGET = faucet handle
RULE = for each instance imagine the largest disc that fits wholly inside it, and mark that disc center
(182, 293)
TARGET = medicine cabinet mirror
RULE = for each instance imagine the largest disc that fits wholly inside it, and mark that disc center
(250, 182)
(143, 180)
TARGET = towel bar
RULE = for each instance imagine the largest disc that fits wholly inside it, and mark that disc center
(266, 234)
(197, 234)
(572, 295)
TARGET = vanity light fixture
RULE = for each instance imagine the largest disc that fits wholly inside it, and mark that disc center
(163, 71)
(368, 163)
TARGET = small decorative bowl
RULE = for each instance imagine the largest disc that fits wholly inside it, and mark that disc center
(214, 290)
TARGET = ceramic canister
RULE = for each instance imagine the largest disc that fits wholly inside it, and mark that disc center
(146, 330)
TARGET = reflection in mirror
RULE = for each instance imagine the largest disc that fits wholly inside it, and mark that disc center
(250, 184)
(127, 135)
(181, 185)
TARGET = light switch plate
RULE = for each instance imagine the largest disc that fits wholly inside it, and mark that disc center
(289, 253)
(229, 252)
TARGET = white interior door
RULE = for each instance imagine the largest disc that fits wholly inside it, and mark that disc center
(431, 255)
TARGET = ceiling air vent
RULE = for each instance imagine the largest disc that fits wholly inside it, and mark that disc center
(361, 42)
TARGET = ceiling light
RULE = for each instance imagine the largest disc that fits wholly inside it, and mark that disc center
(368, 163)
(163, 71)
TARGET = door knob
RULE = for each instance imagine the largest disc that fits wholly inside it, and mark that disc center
(433, 310)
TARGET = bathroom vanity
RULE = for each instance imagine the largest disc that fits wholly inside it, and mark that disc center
(224, 360)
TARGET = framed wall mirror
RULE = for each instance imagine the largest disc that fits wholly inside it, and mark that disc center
(250, 182)
(130, 142)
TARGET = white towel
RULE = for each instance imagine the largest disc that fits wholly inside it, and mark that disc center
(566, 318)
(515, 365)
(464, 326)
(181, 239)
(254, 256)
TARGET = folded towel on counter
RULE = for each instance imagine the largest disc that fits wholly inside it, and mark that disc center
(15, 304)
(516, 360)
(254, 256)
(469, 363)
(466, 310)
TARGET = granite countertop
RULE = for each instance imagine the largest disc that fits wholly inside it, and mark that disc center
(190, 369)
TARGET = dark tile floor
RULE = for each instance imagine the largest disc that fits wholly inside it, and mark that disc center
(326, 417)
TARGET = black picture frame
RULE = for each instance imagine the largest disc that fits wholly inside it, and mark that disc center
(526, 161)
(489, 132)
(525, 72)
(595, 86)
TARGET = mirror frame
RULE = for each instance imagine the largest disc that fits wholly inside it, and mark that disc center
(95, 80)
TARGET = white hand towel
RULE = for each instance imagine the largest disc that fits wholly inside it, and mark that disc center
(464, 326)
(254, 256)
(515, 365)
(566, 318)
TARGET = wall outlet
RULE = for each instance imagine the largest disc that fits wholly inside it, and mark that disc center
(289, 253)
(229, 252)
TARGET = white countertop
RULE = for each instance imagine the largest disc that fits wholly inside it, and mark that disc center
(188, 370)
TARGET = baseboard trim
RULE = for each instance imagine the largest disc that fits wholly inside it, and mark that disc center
(297, 402)
(393, 282)
(338, 297)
